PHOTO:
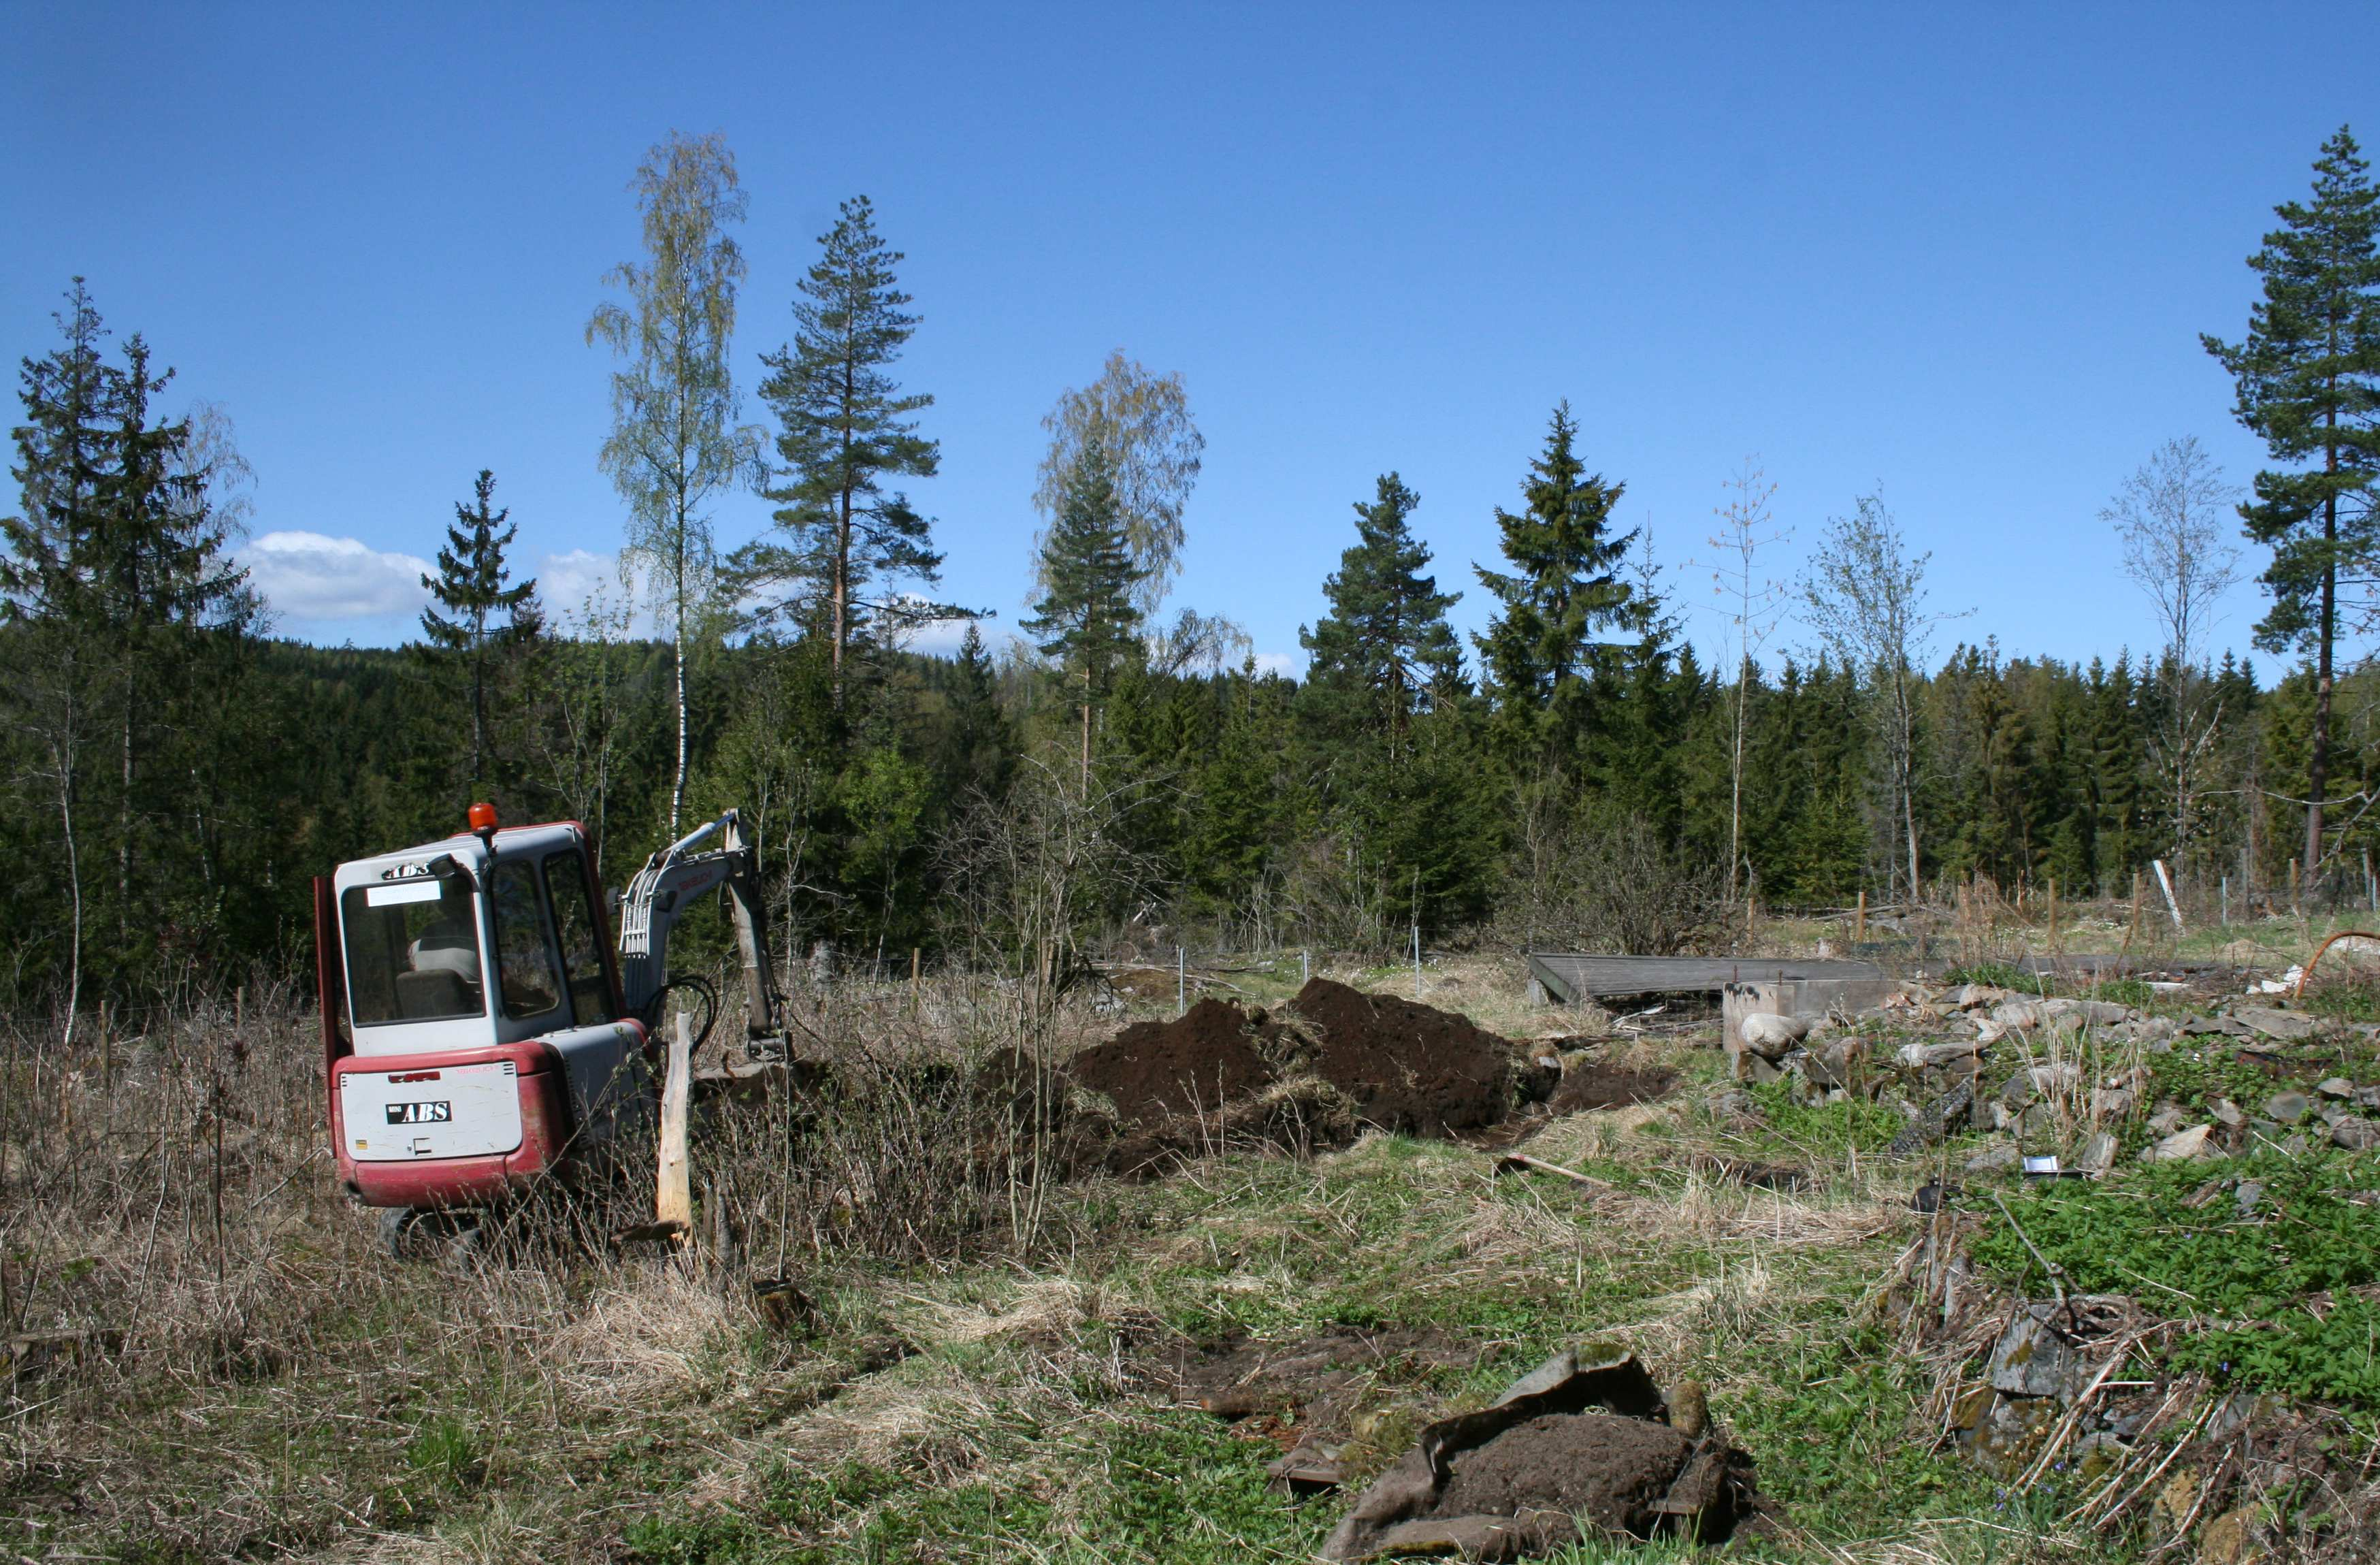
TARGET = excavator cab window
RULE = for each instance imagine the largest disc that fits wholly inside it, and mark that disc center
(413, 951)
(525, 968)
(573, 925)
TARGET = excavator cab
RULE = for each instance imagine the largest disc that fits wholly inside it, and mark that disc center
(480, 1031)
(475, 1033)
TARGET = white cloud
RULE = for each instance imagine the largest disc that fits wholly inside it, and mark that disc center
(1289, 665)
(312, 577)
(566, 581)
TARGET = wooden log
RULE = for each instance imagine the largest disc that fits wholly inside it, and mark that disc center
(674, 1197)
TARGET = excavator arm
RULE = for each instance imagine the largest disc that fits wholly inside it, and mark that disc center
(667, 886)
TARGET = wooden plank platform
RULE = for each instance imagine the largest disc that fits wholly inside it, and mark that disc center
(1570, 977)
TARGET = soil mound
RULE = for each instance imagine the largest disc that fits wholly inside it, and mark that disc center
(1603, 1469)
(1313, 1075)
(1579, 1446)
(1194, 1064)
(1403, 1065)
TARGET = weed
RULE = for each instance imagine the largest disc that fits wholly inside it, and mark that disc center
(444, 1451)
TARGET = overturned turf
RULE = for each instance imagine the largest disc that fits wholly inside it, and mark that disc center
(1330, 1063)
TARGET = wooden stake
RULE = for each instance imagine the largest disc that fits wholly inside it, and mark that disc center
(1859, 919)
(673, 1198)
(2053, 915)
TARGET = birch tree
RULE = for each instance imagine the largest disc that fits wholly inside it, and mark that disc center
(1864, 595)
(1749, 603)
(2173, 516)
(675, 442)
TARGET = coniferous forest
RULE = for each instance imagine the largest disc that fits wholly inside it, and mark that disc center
(1576, 774)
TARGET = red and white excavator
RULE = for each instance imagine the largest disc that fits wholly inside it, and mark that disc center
(480, 1031)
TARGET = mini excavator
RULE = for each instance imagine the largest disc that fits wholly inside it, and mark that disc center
(480, 1033)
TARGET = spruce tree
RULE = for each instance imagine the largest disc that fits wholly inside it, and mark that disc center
(845, 429)
(1564, 594)
(472, 585)
(1088, 618)
(1385, 642)
(2308, 377)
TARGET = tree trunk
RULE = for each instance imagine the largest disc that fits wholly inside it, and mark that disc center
(2318, 763)
(677, 791)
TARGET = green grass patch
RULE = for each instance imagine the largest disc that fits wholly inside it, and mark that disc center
(2311, 1233)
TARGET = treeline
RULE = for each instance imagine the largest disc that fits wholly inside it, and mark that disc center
(1115, 774)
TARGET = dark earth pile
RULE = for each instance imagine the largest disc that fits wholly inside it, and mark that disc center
(1577, 1449)
(1331, 1062)
(1605, 1470)
(1192, 1065)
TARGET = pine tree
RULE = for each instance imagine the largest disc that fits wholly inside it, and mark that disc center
(470, 583)
(2308, 376)
(1385, 641)
(1087, 617)
(845, 427)
(1567, 593)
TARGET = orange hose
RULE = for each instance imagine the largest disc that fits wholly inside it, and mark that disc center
(2307, 971)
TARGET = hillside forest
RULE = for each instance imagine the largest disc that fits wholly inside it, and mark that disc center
(1111, 768)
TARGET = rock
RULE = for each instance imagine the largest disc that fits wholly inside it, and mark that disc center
(1690, 1408)
(2026, 1013)
(2017, 1091)
(2033, 1359)
(1838, 1063)
(1732, 1104)
(2060, 1077)
(2099, 1012)
(2367, 1097)
(1934, 1056)
(2246, 1198)
(2098, 1154)
(2230, 1538)
(1771, 1036)
(1967, 997)
(2155, 1029)
(2355, 1135)
(2167, 1119)
(2113, 1102)
(2228, 1115)
(2287, 1026)
(2183, 1146)
(2225, 1024)
(2001, 1156)
(2288, 1107)
(1942, 1116)
(2336, 1087)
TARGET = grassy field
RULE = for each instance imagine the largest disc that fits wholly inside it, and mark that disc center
(215, 1361)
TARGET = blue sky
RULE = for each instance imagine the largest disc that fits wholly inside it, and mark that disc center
(1963, 255)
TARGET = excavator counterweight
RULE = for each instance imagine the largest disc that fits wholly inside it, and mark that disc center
(480, 1031)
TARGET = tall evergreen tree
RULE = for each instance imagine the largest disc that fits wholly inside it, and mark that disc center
(1385, 641)
(114, 577)
(1087, 617)
(845, 429)
(1565, 593)
(2308, 376)
(472, 584)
